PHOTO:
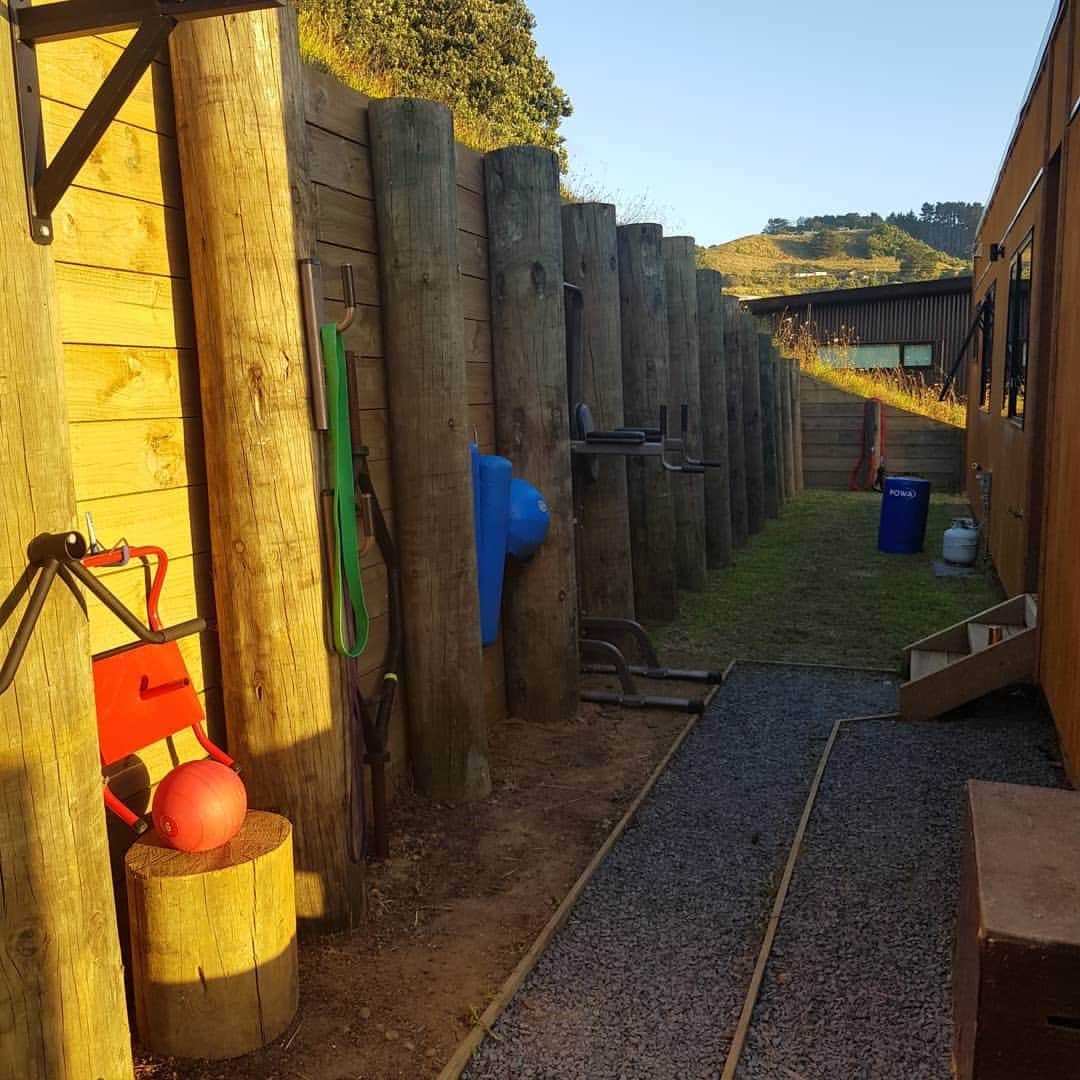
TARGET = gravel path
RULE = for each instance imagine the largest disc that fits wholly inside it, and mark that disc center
(647, 978)
(858, 981)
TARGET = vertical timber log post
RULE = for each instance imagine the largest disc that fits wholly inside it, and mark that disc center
(413, 164)
(240, 131)
(684, 368)
(61, 981)
(712, 311)
(778, 422)
(591, 262)
(646, 386)
(752, 428)
(734, 325)
(797, 423)
(769, 432)
(532, 424)
(787, 420)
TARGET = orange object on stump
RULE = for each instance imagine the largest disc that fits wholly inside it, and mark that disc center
(200, 805)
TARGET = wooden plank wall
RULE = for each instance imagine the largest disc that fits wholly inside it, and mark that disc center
(914, 445)
(340, 170)
(132, 382)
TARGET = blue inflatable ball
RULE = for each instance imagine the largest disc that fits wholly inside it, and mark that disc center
(529, 519)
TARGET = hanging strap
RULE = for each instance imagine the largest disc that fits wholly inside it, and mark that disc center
(346, 577)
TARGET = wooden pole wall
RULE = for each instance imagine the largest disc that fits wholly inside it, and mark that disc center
(413, 165)
(734, 324)
(752, 428)
(712, 312)
(778, 422)
(797, 424)
(591, 262)
(770, 434)
(788, 428)
(61, 984)
(532, 424)
(646, 385)
(240, 131)
(684, 365)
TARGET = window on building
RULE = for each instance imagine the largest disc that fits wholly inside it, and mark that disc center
(986, 347)
(1018, 331)
(907, 355)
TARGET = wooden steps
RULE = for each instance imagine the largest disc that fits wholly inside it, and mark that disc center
(960, 664)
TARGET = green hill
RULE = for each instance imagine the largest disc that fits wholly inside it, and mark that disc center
(778, 265)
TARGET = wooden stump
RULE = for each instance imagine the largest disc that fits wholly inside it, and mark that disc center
(684, 366)
(591, 262)
(241, 137)
(413, 165)
(769, 432)
(532, 424)
(752, 428)
(646, 386)
(734, 332)
(712, 312)
(213, 941)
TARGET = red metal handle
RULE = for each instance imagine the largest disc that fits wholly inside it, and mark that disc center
(118, 556)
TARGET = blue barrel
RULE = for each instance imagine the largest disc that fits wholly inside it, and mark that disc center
(904, 506)
(491, 510)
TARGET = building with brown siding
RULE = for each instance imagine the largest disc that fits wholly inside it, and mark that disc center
(920, 326)
(1024, 381)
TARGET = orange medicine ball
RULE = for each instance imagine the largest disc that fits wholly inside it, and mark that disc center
(200, 805)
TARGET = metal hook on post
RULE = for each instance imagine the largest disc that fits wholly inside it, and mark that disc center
(348, 286)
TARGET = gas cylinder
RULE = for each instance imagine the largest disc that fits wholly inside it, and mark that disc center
(961, 542)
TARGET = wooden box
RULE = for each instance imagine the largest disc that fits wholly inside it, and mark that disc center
(1016, 963)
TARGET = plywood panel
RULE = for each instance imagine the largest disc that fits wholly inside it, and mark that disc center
(473, 254)
(479, 385)
(112, 307)
(71, 72)
(478, 348)
(113, 382)
(98, 229)
(475, 298)
(128, 161)
(126, 456)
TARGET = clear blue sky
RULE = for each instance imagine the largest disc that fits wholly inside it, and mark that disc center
(726, 114)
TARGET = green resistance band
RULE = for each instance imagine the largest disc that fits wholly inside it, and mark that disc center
(346, 575)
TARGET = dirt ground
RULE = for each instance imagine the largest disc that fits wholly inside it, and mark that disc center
(465, 893)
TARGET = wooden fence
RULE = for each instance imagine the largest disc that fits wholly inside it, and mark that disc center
(914, 445)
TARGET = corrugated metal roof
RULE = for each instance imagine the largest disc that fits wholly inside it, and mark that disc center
(869, 294)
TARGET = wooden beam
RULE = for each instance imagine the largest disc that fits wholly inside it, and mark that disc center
(412, 151)
(591, 262)
(532, 425)
(684, 362)
(240, 128)
(752, 428)
(769, 432)
(734, 332)
(61, 982)
(712, 311)
(788, 425)
(646, 386)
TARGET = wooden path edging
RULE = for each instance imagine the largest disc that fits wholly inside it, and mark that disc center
(471, 1043)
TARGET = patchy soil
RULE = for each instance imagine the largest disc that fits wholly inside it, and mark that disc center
(464, 895)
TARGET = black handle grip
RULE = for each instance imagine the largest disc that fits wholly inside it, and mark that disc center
(56, 547)
(348, 284)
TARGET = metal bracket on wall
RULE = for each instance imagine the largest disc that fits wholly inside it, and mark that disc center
(152, 20)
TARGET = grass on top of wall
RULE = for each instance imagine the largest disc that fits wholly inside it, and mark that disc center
(814, 588)
(902, 390)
